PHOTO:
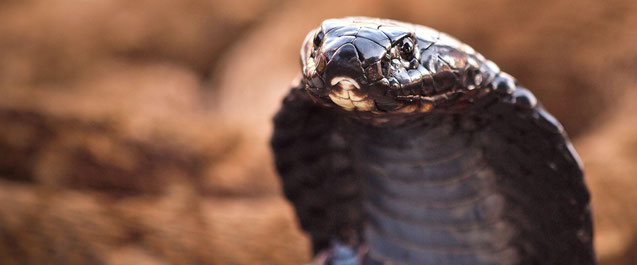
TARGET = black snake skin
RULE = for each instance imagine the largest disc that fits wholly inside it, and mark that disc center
(402, 145)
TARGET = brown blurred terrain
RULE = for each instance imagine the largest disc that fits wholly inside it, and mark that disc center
(136, 132)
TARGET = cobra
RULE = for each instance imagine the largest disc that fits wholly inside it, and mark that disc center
(402, 145)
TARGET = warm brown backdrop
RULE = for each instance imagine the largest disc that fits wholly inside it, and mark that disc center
(135, 132)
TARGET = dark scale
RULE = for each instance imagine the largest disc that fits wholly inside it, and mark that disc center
(402, 145)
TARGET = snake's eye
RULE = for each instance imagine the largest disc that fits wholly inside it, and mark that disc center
(318, 38)
(407, 48)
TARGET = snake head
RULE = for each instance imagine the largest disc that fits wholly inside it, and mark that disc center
(384, 66)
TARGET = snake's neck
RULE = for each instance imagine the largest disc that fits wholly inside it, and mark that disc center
(429, 196)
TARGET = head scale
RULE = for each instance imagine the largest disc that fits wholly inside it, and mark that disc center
(386, 67)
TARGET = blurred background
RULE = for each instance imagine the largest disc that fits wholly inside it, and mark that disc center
(135, 132)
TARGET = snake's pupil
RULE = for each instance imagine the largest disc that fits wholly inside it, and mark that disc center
(318, 38)
(407, 48)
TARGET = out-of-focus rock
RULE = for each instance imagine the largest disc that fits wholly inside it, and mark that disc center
(58, 226)
(609, 154)
(109, 154)
(134, 149)
(53, 41)
(127, 125)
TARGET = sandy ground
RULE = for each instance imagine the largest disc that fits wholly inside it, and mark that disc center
(136, 132)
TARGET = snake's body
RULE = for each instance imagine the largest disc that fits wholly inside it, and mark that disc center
(447, 161)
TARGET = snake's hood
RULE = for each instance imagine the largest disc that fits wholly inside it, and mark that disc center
(385, 66)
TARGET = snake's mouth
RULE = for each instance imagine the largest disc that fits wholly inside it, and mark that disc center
(347, 94)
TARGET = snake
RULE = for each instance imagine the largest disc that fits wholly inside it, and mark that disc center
(399, 144)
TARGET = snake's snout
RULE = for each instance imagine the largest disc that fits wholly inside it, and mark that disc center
(346, 94)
